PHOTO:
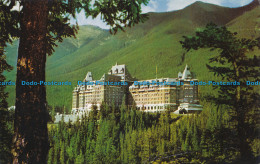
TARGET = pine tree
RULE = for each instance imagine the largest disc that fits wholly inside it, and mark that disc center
(103, 113)
(50, 156)
(62, 154)
(187, 144)
(5, 120)
(234, 65)
(8, 32)
(195, 139)
(133, 148)
(123, 109)
(93, 113)
(80, 158)
(145, 144)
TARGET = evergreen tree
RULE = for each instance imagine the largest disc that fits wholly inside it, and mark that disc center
(93, 113)
(144, 142)
(234, 65)
(103, 113)
(187, 143)
(5, 122)
(80, 158)
(50, 156)
(133, 148)
(123, 109)
(8, 32)
(195, 139)
(62, 154)
(174, 139)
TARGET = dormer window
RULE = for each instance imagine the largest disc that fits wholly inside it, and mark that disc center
(122, 70)
(116, 71)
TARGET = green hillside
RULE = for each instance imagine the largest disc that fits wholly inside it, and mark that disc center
(142, 48)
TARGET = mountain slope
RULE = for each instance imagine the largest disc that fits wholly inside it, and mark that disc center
(142, 48)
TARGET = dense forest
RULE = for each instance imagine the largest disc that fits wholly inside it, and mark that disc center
(126, 135)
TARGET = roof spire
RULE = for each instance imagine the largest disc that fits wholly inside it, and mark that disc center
(89, 77)
(186, 73)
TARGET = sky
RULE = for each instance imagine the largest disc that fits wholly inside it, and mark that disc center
(161, 6)
(157, 6)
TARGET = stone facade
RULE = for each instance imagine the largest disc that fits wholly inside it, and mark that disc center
(148, 95)
(85, 96)
(163, 93)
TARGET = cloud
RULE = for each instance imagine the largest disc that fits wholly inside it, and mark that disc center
(235, 3)
(147, 9)
(96, 22)
(151, 7)
(243, 3)
(180, 4)
(82, 20)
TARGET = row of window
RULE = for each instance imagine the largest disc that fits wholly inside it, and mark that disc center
(151, 102)
(150, 107)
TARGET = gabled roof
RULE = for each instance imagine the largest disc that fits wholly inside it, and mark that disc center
(88, 77)
(117, 69)
(186, 73)
(103, 78)
(121, 70)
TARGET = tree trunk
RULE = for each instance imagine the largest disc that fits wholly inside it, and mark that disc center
(31, 116)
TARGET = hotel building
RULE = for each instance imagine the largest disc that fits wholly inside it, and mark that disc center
(153, 95)
(94, 92)
(159, 94)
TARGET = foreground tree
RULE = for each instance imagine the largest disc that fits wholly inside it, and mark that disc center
(41, 24)
(234, 64)
(31, 116)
